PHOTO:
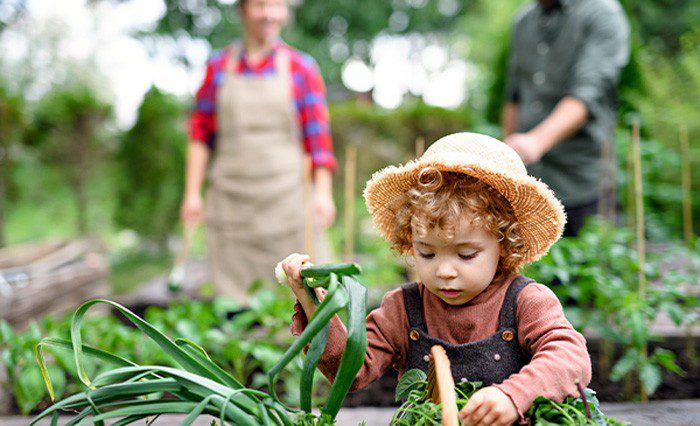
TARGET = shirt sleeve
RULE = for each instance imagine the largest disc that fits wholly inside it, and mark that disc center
(313, 114)
(604, 52)
(387, 327)
(202, 121)
(559, 354)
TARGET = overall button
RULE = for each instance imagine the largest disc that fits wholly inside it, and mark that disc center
(497, 357)
(507, 335)
(538, 78)
(463, 380)
(426, 358)
(542, 48)
(414, 335)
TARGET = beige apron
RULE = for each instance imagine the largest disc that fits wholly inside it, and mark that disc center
(254, 206)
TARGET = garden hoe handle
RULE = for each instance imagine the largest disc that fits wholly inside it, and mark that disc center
(441, 385)
(187, 236)
(176, 278)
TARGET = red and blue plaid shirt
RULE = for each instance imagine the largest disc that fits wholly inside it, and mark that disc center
(309, 99)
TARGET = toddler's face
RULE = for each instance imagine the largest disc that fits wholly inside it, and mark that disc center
(456, 269)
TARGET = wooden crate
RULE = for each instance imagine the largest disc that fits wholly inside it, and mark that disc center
(50, 278)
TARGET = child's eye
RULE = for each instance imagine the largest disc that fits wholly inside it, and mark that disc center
(426, 255)
(468, 256)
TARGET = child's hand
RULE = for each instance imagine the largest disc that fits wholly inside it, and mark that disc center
(489, 406)
(292, 267)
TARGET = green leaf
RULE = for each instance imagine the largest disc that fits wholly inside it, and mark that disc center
(650, 376)
(318, 345)
(624, 364)
(410, 380)
(355, 347)
(667, 359)
(335, 300)
(675, 312)
(29, 388)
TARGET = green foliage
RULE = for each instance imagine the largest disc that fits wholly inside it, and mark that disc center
(661, 183)
(196, 384)
(663, 23)
(411, 380)
(68, 130)
(387, 137)
(418, 409)
(151, 159)
(247, 345)
(329, 30)
(12, 126)
(599, 271)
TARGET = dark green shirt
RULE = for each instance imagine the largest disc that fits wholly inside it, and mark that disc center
(578, 49)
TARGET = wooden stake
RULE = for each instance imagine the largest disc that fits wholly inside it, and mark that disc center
(639, 209)
(608, 187)
(420, 146)
(350, 168)
(630, 185)
(308, 208)
(685, 183)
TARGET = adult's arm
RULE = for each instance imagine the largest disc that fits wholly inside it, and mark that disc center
(195, 169)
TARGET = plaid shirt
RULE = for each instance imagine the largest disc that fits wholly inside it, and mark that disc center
(309, 99)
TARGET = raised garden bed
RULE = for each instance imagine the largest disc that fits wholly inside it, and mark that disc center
(50, 278)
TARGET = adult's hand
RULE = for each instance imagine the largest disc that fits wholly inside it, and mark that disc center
(528, 147)
(192, 209)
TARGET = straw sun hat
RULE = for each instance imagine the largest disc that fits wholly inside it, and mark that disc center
(539, 213)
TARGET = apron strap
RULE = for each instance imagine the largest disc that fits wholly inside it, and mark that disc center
(414, 305)
(507, 315)
(235, 49)
(282, 63)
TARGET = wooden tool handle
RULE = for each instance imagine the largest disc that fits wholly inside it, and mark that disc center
(441, 385)
(187, 236)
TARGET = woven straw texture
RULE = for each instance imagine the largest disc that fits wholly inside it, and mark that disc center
(539, 213)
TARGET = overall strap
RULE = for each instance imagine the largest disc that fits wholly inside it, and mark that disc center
(414, 305)
(506, 317)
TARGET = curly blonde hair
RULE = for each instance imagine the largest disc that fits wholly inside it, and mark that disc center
(440, 199)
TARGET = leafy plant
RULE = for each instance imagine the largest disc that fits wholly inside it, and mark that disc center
(419, 409)
(197, 385)
(151, 157)
(598, 272)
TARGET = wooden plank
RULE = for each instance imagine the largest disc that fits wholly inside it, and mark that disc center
(27, 253)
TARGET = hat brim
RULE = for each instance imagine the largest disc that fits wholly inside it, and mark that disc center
(540, 215)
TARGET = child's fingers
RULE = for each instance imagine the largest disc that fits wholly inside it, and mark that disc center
(292, 267)
(489, 418)
(472, 405)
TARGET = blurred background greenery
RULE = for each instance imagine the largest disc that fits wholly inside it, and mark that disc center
(69, 165)
(76, 159)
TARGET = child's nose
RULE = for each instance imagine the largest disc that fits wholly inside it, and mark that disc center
(446, 270)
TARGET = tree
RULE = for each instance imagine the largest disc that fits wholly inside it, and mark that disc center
(68, 130)
(12, 126)
(151, 158)
(330, 30)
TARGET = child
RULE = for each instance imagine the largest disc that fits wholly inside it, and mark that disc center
(470, 217)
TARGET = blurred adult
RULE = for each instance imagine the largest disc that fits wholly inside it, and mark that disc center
(259, 112)
(561, 93)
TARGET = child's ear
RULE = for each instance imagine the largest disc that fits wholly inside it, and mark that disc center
(502, 250)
